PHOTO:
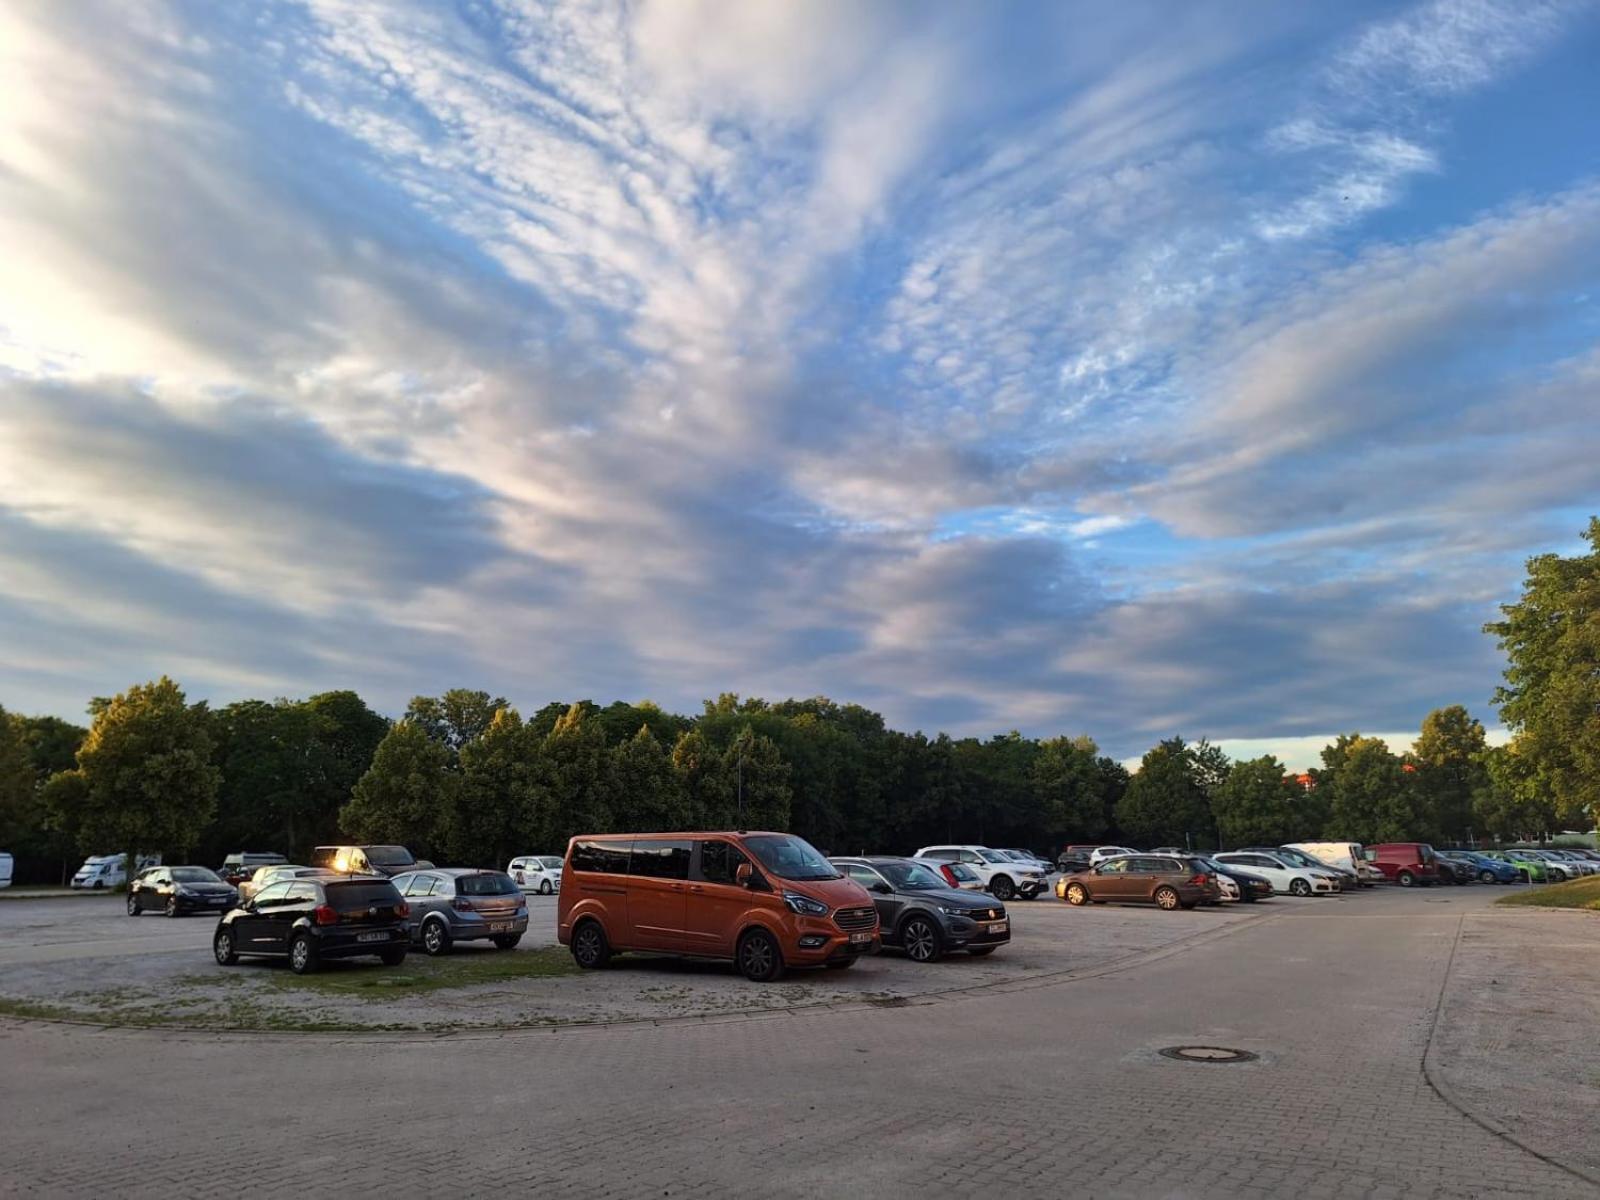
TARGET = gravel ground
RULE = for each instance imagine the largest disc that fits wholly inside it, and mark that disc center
(90, 960)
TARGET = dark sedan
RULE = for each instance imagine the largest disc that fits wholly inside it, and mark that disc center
(309, 920)
(179, 890)
(1251, 887)
(922, 915)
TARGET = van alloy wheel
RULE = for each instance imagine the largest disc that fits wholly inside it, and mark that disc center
(589, 947)
(1407, 879)
(1077, 894)
(920, 939)
(759, 957)
(1167, 898)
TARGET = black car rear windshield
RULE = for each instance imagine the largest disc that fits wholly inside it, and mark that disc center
(388, 856)
(490, 883)
(348, 896)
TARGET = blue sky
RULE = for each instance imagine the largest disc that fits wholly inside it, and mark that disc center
(1131, 369)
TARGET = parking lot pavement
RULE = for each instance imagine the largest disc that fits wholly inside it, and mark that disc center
(1038, 1091)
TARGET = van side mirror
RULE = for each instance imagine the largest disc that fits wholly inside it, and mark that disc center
(743, 874)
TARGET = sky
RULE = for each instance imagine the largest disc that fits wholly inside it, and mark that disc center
(1131, 369)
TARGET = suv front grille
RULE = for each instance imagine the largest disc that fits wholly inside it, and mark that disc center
(855, 918)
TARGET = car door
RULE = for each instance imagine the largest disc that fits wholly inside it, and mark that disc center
(252, 932)
(888, 903)
(1110, 880)
(301, 899)
(658, 893)
(426, 893)
(715, 902)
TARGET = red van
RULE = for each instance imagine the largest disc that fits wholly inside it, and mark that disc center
(1405, 863)
(764, 901)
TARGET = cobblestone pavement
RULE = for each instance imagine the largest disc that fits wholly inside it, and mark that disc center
(1038, 1090)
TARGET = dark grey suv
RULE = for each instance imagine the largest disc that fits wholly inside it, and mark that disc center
(923, 915)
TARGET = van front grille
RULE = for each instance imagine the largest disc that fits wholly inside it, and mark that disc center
(855, 918)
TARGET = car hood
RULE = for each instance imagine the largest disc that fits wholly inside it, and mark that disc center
(951, 898)
(835, 893)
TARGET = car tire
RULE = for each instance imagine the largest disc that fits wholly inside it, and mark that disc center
(545, 888)
(1077, 894)
(1485, 876)
(172, 906)
(1406, 879)
(392, 957)
(222, 948)
(506, 941)
(134, 907)
(919, 938)
(1166, 899)
(759, 957)
(303, 958)
(1299, 887)
(982, 951)
(436, 938)
(1002, 888)
(590, 950)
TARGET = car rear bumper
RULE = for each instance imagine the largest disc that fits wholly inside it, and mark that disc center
(487, 927)
(348, 943)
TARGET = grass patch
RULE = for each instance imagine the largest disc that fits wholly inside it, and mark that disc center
(420, 974)
(1579, 893)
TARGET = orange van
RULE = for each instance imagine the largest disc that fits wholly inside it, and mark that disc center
(764, 901)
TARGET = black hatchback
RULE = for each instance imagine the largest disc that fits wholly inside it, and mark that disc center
(309, 920)
(922, 914)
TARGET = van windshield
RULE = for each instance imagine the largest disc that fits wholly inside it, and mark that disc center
(389, 856)
(790, 857)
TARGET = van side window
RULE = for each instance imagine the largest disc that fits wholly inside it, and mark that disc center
(719, 861)
(607, 857)
(661, 860)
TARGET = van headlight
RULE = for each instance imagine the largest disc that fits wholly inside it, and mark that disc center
(804, 904)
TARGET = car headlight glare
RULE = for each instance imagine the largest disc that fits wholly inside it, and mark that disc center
(804, 904)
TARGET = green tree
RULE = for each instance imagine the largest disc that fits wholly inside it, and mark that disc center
(52, 744)
(1165, 802)
(501, 793)
(455, 718)
(1513, 805)
(645, 789)
(1449, 768)
(149, 781)
(1256, 805)
(1374, 799)
(1067, 789)
(698, 766)
(18, 782)
(754, 766)
(408, 795)
(1551, 695)
(576, 775)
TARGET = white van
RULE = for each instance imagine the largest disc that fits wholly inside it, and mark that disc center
(102, 871)
(1345, 855)
(7, 866)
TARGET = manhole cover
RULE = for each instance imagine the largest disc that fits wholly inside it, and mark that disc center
(1207, 1054)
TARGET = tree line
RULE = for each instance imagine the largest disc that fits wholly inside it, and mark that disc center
(465, 777)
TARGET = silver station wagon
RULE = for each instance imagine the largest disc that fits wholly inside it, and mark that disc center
(458, 904)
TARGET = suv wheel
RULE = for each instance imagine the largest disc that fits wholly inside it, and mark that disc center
(302, 954)
(1299, 887)
(589, 948)
(134, 908)
(1167, 898)
(435, 938)
(1002, 888)
(222, 947)
(920, 937)
(1077, 894)
(760, 959)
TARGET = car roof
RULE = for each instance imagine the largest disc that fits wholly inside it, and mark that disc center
(454, 871)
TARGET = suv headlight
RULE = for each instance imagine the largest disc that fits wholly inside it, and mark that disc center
(804, 904)
(955, 912)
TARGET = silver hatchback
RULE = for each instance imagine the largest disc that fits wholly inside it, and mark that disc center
(457, 904)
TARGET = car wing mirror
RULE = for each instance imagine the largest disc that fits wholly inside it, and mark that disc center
(743, 874)
(883, 889)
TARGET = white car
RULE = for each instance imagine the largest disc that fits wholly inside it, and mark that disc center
(7, 865)
(536, 873)
(1285, 878)
(1230, 889)
(1002, 877)
(1031, 859)
(1100, 853)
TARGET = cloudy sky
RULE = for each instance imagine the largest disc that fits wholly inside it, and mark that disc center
(1131, 368)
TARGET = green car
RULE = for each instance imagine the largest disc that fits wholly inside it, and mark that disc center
(1534, 868)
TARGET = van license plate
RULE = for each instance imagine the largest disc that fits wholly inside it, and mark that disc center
(372, 937)
(860, 939)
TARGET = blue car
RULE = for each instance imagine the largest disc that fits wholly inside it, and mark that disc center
(1490, 870)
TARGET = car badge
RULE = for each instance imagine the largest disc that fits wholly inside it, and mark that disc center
(372, 912)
